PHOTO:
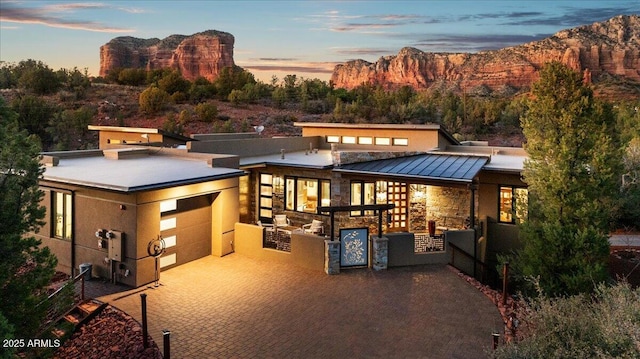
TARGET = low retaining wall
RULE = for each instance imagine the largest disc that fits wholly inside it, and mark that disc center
(401, 252)
(307, 250)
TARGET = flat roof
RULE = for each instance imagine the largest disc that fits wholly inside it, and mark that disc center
(398, 126)
(436, 167)
(302, 159)
(140, 130)
(135, 174)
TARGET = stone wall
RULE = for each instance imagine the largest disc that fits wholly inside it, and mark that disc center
(448, 206)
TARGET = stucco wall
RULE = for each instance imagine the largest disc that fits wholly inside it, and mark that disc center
(402, 252)
(306, 250)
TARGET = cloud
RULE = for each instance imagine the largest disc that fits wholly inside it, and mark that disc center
(47, 16)
(573, 17)
(309, 67)
(275, 59)
(473, 43)
(362, 51)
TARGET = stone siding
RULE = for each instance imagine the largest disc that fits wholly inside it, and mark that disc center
(448, 206)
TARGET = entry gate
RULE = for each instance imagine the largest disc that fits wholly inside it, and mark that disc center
(354, 247)
(354, 242)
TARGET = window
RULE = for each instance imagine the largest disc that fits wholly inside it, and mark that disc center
(62, 215)
(333, 139)
(367, 193)
(365, 140)
(383, 141)
(266, 196)
(513, 203)
(307, 194)
(349, 139)
(400, 142)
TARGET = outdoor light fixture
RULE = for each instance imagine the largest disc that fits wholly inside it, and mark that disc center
(101, 233)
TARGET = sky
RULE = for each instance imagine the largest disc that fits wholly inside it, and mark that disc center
(277, 38)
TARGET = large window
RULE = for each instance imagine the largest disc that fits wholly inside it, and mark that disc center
(62, 215)
(367, 193)
(266, 196)
(307, 194)
(513, 204)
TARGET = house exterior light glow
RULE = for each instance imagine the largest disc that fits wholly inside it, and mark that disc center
(195, 197)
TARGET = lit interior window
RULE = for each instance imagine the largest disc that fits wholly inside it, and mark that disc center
(168, 205)
(365, 140)
(513, 205)
(168, 223)
(383, 141)
(400, 141)
(348, 139)
(333, 139)
(170, 241)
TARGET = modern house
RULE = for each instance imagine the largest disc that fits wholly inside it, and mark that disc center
(343, 176)
(106, 207)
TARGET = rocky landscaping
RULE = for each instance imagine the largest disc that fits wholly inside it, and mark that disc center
(111, 334)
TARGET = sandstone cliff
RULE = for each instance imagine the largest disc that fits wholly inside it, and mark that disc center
(607, 48)
(203, 54)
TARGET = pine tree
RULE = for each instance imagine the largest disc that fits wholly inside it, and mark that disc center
(573, 176)
(25, 268)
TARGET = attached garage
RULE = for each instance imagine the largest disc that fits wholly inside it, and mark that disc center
(117, 201)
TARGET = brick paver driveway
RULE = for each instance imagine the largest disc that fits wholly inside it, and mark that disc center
(236, 307)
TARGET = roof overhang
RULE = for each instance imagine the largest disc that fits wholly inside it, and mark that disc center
(436, 168)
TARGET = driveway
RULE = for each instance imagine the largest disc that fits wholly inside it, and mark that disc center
(237, 307)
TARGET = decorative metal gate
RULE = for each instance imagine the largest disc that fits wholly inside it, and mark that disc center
(354, 247)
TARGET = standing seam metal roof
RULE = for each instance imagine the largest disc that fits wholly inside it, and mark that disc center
(429, 166)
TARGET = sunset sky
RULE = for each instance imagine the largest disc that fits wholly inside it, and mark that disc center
(307, 38)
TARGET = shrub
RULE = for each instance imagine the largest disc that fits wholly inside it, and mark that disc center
(153, 100)
(605, 325)
(206, 112)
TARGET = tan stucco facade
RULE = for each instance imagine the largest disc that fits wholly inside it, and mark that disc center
(138, 217)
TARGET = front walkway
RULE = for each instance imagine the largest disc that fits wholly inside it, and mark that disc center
(236, 307)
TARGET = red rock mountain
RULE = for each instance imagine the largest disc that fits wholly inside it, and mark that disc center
(605, 48)
(203, 54)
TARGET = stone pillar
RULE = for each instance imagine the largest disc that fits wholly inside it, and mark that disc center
(380, 253)
(332, 257)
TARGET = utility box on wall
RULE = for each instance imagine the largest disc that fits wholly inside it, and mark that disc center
(115, 245)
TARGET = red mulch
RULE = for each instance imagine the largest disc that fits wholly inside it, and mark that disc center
(111, 334)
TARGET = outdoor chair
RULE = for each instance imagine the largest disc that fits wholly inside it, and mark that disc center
(281, 220)
(315, 227)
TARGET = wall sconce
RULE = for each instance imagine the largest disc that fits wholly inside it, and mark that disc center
(418, 192)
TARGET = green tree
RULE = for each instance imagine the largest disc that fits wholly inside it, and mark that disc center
(201, 90)
(206, 112)
(37, 77)
(173, 82)
(67, 130)
(34, 114)
(8, 77)
(130, 76)
(231, 78)
(26, 268)
(573, 176)
(153, 100)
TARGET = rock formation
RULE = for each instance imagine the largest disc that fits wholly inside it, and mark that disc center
(203, 54)
(607, 48)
